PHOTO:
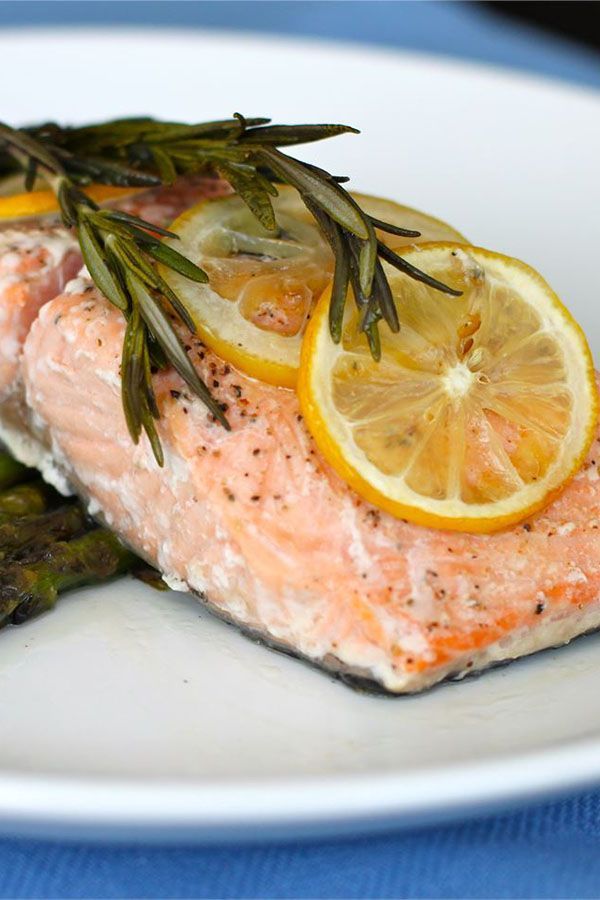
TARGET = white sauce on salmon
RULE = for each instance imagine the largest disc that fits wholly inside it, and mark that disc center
(56, 240)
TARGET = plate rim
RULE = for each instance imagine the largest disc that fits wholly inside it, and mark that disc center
(36, 803)
(441, 60)
(275, 807)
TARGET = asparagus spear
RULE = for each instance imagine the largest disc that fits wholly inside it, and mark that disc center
(29, 590)
(26, 539)
(12, 472)
(27, 499)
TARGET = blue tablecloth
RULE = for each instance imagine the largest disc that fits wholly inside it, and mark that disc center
(552, 851)
(549, 851)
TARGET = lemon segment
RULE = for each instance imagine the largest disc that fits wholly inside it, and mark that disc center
(481, 408)
(262, 286)
(43, 202)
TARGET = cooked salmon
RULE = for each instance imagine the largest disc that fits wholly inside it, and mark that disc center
(252, 520)
(259, 527)
(38, 258)
(36, 262)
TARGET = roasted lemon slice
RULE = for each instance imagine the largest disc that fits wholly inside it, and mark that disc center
(13, 184)
(481, 408)
(43, 202)
(263, 286)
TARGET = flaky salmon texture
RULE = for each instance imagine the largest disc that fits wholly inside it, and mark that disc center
(255, 523)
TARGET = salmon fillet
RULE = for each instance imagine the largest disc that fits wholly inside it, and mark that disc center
(38, 258)
(36, 262)
(256, 524)
(252, 520)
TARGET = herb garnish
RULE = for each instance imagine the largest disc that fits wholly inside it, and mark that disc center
(120, 249)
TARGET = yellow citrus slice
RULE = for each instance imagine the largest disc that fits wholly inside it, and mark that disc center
(43, 202)
(262, 287)
(481, 408)
(13, 184)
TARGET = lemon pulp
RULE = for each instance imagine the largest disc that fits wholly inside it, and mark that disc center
(263, 286)
(481, 408)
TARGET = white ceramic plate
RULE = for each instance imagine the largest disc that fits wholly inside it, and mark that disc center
(132, 713)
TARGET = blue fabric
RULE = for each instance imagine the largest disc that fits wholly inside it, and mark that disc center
(464, 30)
(551, 851)
(548, 851)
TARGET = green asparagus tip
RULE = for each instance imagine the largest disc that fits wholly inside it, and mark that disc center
(28, 591)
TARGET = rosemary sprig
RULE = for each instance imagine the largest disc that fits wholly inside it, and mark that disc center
(119, 250)
(245, 152)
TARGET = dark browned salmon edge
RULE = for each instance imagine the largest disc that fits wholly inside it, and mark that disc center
(358, 680)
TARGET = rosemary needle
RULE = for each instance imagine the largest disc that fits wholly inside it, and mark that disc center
(120, 250)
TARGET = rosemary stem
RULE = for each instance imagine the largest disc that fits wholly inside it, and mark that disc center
(120, 251)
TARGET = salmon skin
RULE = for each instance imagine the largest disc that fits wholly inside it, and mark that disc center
(254, 522)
